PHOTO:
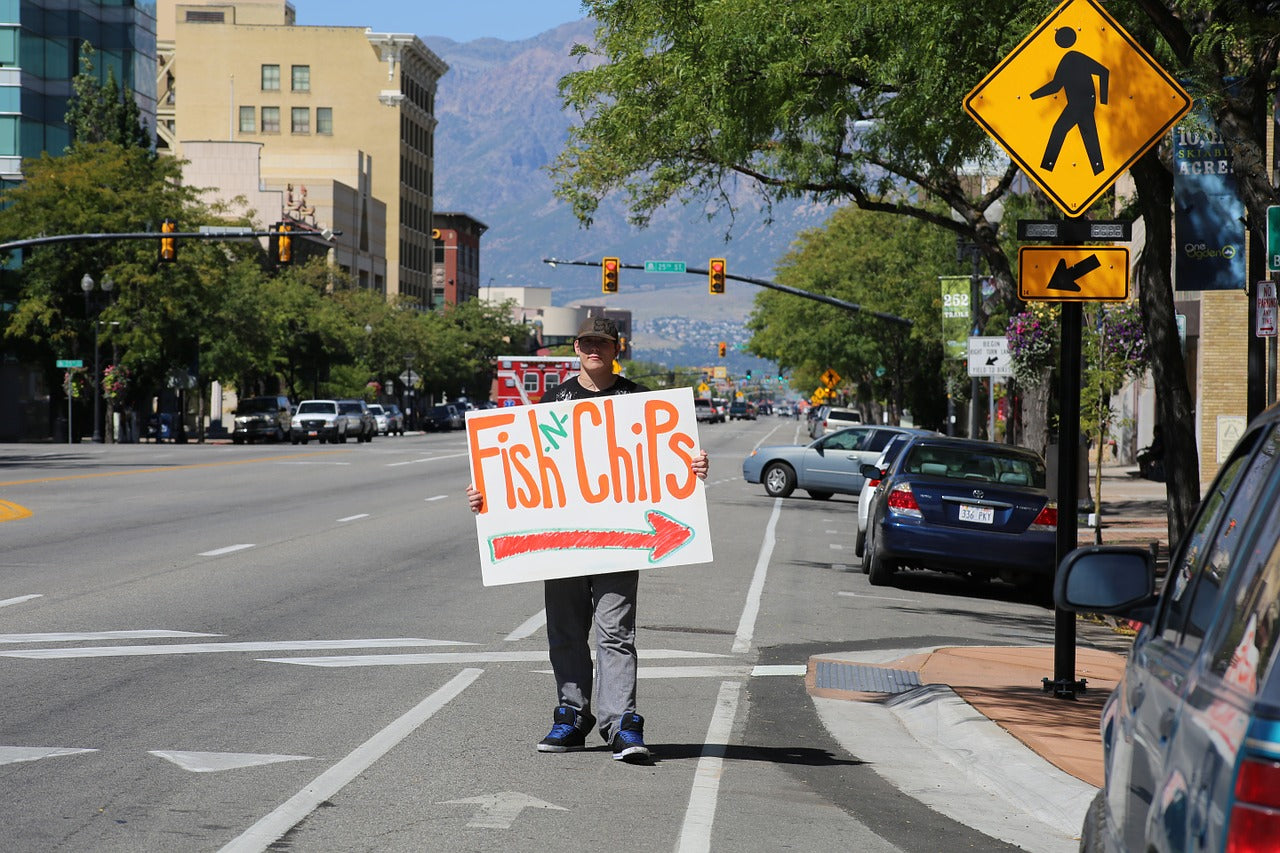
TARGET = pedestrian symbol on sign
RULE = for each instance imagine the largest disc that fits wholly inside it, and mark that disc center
(1074, 78)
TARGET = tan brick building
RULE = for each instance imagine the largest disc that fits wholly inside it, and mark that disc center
(341, 113)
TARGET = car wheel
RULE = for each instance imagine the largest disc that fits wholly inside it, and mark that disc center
(1091, 833)
(878, 567)
(237, 439)
(779, 480)
(820, 496)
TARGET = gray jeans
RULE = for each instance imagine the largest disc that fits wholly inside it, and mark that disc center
(573, 605)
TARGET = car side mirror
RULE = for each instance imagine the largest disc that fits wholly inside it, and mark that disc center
(871, 472)
(1112, 579)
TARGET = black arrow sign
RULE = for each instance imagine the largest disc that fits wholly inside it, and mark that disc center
(1064, 277)
(992, 360)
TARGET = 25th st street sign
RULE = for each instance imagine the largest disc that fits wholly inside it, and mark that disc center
(1077, 103)
(1073, 273)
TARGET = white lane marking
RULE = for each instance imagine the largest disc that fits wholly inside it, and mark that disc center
(747, 623)
(304, 462)
(213, 762)
(436, 498)
(426, 459)
(98, 635)
(839, 567)
(836, 546)
(833, 532)
(459, 657)
(199, 648)
(353, 517)
(218, 552)
(500, 810)
(878, 597)
(286, 816)
(529, 627)
(700, 814)
(780, 669)
(14, 754)
(20, 599)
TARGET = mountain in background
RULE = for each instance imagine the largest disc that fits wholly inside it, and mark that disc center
(501, 124)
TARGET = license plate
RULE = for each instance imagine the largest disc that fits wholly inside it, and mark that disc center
(313, 432)
(978, 514)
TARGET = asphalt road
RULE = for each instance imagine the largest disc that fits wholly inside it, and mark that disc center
(208, 647)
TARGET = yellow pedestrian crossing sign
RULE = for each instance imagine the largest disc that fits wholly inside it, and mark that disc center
(1077, 103)
(830, 378)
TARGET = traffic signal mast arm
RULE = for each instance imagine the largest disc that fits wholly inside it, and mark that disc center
(759, 282)
(237, 234)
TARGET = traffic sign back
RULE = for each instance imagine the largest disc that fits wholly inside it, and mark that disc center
(1077, 103)
(1073, 273)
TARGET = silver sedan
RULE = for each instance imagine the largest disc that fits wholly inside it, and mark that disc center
(826, 466)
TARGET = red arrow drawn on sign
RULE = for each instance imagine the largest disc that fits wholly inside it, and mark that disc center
(665, 534)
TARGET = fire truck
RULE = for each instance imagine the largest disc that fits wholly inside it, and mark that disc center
(522, 379)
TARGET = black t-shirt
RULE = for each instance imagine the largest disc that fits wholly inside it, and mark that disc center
(571, 389)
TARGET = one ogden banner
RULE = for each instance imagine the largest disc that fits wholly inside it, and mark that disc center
(1208, 212)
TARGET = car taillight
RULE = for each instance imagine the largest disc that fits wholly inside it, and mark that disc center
(1047, 519)
(873, 483)
(902, 501)
(1255, 816)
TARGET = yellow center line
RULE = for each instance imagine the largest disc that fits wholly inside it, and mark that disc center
(165, 469)
(13, 512)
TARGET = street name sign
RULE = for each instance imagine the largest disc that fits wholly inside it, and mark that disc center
(989, 356)
(69, 362)
(664, 266)
(1273, 238)
(1077, 103)
(1073, 273)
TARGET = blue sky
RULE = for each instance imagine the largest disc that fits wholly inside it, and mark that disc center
(460, 20)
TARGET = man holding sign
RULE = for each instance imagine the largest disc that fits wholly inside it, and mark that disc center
(589, 459)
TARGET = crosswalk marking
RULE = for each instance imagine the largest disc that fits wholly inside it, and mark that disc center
(19, 600)
(218, 552)
(459, 657)
(97, 635)
(14, 754)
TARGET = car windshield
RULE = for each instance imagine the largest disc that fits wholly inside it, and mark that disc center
(835, 415)
(440, 410)
(317, 407)
(256, 404)
(349, 408)
(962, 463)
(375, 409)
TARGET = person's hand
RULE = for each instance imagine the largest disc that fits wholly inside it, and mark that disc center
(700, 465)
(475, 498)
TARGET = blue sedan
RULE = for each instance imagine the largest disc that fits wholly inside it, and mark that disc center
(966, 507)
(826, 466)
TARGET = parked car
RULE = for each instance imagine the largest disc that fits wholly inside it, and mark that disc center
(703, 410)
(379, 418)
(741, 411)
(318, 419)
(968, 507)
(869, 485)
(395, 419)
(360, 424)
(831, 418)
(722, 409)
(261, 418)
(443, 418)
(826, 466)
(1191, 734)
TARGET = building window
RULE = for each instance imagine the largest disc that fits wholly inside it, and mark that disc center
(301, 78)
(270, 119)
(324, 120)
(271, 78)
(247, 120)
(300, 120)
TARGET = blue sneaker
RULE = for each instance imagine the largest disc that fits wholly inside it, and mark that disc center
(568, 732)
(628, 742)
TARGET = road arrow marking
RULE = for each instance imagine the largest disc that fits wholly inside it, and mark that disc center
(13, 512)
(664, 536)
(1064, 277)
(212, 762)
(500, 810)
(14, 754)
(20, 599)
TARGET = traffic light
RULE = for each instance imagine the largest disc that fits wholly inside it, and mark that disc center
(281, 244)
(715, 276)
(609, 275)
(722, 349)
(168, 245)
(748, 375)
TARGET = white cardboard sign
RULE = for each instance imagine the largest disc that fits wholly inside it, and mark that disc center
(583, 487)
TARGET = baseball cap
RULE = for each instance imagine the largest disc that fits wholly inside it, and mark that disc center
(598, 327)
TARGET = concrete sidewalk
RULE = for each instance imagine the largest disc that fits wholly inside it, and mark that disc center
(970, 731)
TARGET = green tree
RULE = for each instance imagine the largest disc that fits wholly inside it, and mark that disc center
(102, 111)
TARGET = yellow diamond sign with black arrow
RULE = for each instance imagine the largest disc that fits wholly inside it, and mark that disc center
(1077, 103)
(1073, 273)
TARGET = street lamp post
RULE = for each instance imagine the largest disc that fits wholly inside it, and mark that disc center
(87, 284)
